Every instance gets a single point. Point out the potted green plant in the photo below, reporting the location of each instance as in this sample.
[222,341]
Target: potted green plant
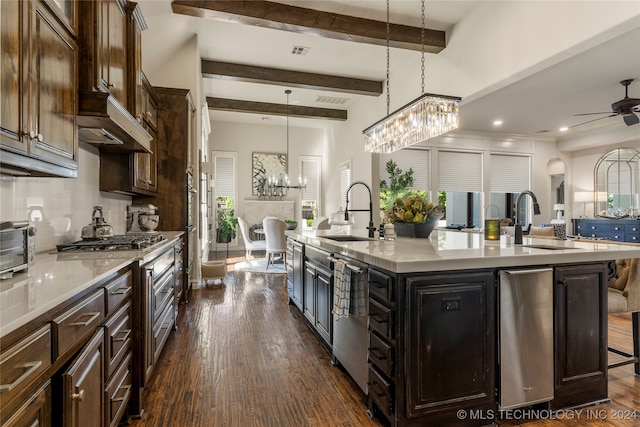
[227,223]
[291,224]
[413,215]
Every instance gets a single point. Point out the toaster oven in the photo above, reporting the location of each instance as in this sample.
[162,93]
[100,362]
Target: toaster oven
[17,247]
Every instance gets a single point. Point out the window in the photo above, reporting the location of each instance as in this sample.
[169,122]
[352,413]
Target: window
[224,185]
[345,182]
[310,167]
[406,159]
[509,176]
[460,179]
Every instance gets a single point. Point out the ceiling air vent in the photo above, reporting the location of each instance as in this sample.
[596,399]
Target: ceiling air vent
[300,50]
[331,100]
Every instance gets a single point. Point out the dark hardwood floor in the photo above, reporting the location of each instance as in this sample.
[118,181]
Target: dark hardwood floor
[243,357]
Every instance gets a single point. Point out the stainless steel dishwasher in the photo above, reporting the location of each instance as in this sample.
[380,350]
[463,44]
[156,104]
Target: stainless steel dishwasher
[350,336]
[526,337]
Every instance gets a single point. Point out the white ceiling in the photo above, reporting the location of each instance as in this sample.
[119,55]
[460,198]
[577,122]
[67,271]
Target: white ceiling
[536,105]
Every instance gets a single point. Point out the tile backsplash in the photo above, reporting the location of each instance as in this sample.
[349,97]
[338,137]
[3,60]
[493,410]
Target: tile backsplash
[60,207]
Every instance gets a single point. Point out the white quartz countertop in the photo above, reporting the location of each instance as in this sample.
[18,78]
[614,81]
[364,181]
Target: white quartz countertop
[56,277]
[454,250]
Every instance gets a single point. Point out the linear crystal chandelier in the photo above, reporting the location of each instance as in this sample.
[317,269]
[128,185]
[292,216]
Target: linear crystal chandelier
[425,117]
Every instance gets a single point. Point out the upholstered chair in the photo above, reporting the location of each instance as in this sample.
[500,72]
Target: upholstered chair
[249,245]
[623,297]
[275,238]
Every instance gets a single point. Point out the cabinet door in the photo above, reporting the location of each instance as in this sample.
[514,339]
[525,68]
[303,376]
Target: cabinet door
[146,169]
[13,43]
[112,32]
[451,343]
[324,322]
[53,87]
[309,302]
[83,386]
[36,412]
[298,275]
[580,299]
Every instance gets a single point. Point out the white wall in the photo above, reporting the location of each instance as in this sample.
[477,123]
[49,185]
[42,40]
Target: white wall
[64,205]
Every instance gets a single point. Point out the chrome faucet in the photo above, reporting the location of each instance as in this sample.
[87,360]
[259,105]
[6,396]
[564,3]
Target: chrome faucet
[371,227]
[517,231]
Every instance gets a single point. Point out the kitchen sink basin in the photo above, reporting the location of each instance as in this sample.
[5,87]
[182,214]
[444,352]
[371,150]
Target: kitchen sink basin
[547,247]
[346,238]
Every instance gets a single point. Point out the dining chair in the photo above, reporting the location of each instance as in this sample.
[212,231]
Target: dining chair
[274,236]
[249,245]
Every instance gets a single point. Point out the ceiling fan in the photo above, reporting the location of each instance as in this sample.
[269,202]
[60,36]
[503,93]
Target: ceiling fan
[626,107]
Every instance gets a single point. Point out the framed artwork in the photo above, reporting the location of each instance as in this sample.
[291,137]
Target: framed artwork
[264,166]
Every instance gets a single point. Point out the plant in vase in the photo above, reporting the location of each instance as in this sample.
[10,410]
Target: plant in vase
[227,223]
[413,215]
[291,224]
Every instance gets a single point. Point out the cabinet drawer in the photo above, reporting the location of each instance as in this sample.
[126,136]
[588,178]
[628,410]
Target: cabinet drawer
[118,290]
[77,323]
[381,286]
[380,319]
[118,393]
[23,362]
[162,291]
[162,263]
[117,332]
[161,329]
[632,233]
[380,354]
[379,390]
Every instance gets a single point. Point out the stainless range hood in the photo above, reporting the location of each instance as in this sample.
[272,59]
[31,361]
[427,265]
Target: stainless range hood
[103,122]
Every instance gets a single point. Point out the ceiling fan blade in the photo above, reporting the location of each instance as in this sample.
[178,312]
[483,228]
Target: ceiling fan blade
[631,119]
[589,121]
[590,114]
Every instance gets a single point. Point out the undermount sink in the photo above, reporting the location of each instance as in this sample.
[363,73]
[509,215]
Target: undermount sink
[547,247]
[346,238]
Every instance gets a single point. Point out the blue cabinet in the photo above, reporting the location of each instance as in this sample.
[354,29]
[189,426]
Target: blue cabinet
[623,230]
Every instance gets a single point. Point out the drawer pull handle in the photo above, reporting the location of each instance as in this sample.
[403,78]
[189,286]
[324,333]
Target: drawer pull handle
[121,291]
[126,332]
[377,353]
[93,316]
[166,325]
[378,318]
[127,389]
[33,366]
[78,396]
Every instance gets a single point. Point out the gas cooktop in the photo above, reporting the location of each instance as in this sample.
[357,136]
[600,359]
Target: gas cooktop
[124,242]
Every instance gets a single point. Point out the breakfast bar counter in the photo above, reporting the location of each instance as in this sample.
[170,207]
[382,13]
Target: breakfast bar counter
[441,309]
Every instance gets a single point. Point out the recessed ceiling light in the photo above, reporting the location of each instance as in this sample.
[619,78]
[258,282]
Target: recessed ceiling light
[497,122]
[563,129]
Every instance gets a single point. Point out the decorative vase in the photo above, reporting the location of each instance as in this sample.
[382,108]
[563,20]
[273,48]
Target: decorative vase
[421,230]
[292,225]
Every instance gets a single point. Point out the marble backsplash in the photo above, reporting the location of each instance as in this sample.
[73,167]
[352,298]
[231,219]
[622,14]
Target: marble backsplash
[60,207]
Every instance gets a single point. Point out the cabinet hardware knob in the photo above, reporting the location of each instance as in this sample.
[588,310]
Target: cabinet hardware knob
[40,137]
[110,85]
[32,134]
[149,115]
[78,396]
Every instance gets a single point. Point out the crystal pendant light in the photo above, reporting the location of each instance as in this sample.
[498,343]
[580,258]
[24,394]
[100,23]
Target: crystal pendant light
[425,117]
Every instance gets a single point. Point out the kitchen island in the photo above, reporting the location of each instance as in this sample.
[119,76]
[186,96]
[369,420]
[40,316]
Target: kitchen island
[434,321]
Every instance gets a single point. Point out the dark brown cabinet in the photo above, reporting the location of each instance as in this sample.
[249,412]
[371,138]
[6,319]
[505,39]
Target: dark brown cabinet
[104,57]
[83,386]
[175,196]
[39,91]
[35,412]
[580,323]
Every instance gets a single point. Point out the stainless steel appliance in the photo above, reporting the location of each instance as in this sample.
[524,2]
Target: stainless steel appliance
[115,243]
[350,336]
[17,247]
[142,219]
[526,337]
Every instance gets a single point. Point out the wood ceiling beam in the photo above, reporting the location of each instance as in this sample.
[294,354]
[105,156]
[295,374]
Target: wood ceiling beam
[296,19]
[297,79]
[236,105]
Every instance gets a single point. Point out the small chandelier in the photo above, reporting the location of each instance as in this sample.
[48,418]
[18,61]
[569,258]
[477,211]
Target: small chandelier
[423,118]
[277,186]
